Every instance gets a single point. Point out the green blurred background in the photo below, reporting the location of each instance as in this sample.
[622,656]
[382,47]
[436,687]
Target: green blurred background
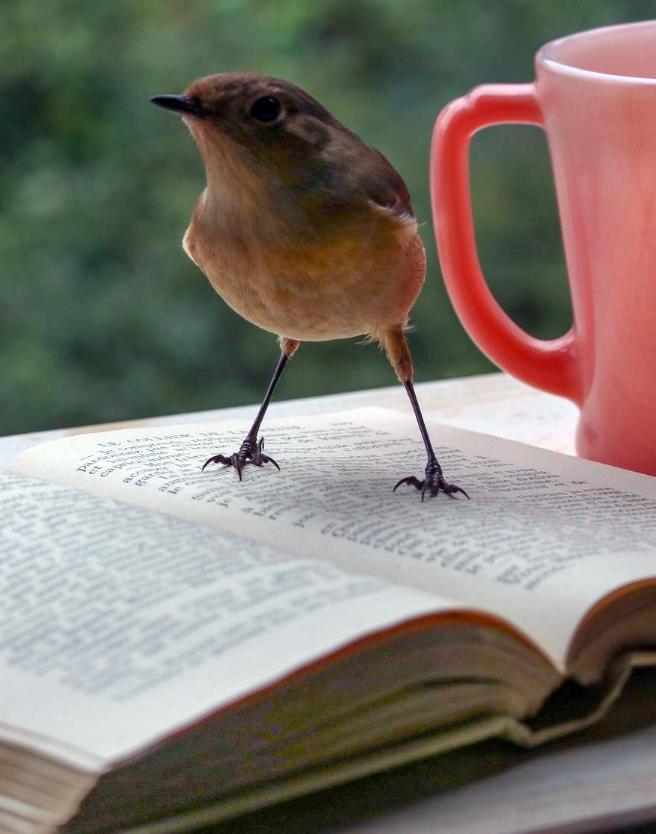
[103,317]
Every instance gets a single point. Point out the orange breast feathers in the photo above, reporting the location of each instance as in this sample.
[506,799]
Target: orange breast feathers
[359,272]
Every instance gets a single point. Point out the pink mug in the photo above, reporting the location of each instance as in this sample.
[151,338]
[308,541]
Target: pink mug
[595,96]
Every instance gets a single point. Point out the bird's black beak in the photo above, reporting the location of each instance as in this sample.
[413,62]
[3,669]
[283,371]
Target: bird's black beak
[180,104]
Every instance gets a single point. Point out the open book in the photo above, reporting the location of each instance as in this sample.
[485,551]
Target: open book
[177,647]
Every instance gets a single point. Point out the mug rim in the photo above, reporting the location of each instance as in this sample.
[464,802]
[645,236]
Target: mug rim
[544,56]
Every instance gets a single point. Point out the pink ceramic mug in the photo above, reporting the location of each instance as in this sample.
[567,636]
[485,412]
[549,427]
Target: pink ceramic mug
[595,96]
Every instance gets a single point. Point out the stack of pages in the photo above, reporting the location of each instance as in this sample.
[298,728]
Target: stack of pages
[177,646]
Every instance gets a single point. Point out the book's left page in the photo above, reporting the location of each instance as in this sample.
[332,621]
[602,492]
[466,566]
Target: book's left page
[107,609]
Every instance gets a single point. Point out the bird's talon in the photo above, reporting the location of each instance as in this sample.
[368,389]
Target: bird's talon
[410,480]
[250,451]
[267,459]
[215,459]
[433,482]
[451,489]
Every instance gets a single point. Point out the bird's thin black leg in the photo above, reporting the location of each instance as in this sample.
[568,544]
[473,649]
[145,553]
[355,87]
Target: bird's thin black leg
[280,367]
[251,450]
[433,481]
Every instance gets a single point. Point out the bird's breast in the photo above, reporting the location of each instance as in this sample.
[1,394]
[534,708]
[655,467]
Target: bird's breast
[357,278]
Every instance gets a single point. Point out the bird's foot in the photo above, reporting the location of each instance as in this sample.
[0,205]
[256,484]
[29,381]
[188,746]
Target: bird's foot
[250,451]
[433,483]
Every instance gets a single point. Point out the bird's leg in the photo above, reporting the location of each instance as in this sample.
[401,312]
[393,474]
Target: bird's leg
[433,481]
[251,450]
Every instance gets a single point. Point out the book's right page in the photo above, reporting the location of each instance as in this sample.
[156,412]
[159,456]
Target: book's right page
[542,540]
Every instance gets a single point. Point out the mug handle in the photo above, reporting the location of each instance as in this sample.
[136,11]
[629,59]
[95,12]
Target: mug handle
[552,364]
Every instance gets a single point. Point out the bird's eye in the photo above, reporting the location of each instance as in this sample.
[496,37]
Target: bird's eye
[265,109]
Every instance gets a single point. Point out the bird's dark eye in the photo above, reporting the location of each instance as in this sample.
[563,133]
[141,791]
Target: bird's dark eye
[265,109]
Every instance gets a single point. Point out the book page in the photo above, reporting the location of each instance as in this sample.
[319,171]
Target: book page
[543,537]
[107,609]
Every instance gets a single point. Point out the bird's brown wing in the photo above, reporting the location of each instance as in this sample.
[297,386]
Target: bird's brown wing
[385,186]
[355,171]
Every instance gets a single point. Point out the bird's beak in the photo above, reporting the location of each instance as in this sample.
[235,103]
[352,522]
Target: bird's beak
[180,104]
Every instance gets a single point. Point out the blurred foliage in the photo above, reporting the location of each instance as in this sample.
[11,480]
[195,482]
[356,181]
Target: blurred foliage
[102,316]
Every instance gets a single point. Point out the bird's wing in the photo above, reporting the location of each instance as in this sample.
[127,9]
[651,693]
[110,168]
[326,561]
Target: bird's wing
[355,170]
[385,187]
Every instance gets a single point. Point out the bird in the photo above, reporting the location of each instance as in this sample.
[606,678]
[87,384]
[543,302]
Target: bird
[304,230]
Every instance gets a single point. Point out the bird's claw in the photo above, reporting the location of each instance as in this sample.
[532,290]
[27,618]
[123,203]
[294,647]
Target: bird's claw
[433,483]
[250,451]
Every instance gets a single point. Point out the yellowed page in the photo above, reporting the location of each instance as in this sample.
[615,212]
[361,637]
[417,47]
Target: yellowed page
[108,609]
[543,537]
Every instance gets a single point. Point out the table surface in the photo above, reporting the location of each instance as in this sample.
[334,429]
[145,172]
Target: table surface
[602,779]
[490,403]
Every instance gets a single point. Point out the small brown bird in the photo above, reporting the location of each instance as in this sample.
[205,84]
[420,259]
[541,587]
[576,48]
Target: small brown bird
[302,229]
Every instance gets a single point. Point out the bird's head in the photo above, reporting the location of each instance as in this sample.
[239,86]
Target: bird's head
[271,149]
[253,126]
